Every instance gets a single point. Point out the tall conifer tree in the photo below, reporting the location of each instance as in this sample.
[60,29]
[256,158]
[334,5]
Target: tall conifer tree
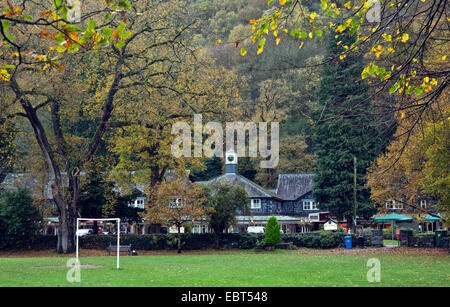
[344,128]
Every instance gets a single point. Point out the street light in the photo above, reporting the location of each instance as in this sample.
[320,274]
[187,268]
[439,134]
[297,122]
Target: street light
[354,193]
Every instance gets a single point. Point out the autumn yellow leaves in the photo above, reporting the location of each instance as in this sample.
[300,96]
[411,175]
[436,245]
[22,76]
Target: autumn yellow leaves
[55,25]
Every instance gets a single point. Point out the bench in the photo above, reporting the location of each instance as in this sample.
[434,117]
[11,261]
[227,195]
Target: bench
[122,248]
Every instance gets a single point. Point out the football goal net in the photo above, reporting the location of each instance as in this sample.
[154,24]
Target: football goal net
[79,233]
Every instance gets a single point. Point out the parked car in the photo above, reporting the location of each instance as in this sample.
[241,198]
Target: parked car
[256,229]
[83,232]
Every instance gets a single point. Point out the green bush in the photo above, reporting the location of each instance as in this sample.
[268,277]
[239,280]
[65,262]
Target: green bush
[273,234]
[198,241]
[43,242]
[367,231]
[190,241]
[260,243]
[315,242]
[323,239]
[307,240]
[424,234]
[327,239]
[248,241]
[188,228]
[341,230]
[19,220]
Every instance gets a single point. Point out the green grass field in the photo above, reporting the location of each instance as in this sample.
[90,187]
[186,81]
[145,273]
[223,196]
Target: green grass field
[402,267]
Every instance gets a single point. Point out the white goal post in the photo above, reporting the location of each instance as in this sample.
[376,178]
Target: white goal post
[93,219]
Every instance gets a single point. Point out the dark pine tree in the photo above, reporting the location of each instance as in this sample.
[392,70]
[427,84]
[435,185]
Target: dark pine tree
[213,169]
[95,200]
[92,196]
[247,168]
[345,128]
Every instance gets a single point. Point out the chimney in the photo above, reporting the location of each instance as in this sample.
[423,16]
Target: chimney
[231,163]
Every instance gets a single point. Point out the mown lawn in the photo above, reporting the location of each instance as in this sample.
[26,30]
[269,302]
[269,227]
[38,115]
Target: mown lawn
[399,267]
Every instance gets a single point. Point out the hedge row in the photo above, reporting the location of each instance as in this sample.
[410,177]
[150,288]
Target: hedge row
[39,242]
[169,241]
[324,239]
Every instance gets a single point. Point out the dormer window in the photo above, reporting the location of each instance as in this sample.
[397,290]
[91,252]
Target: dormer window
[255,203]
[137,203]
[309,205]
[176,204]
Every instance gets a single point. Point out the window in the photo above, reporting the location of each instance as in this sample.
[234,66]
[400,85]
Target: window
[199,229]
[140,203]
[306,205]
[309,205]
[423,204]
[137,203]
[176,203]
[255,203]
[393,205]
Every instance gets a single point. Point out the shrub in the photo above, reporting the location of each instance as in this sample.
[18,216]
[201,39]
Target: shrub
[324,239]
[19,220]
[198,241]
[328,239]
[341,230]
[260,243]
[424,234]
[315,243]
[188,228]
[43,242]
[248,241]
[307,240]
[273,235]
[367,231]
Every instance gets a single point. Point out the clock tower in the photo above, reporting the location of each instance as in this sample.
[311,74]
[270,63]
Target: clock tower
[231,162]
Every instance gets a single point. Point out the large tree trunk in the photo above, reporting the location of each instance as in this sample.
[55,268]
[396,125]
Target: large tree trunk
[66,234]
[67,217]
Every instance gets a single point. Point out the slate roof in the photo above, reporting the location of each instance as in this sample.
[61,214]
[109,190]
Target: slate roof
[254,190]
[290,186]
[15,181]
[294,186]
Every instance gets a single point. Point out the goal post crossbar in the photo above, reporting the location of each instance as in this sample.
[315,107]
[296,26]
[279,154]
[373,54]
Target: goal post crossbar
[95,219]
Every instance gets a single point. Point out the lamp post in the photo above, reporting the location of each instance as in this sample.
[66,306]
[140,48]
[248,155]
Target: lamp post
[354,194]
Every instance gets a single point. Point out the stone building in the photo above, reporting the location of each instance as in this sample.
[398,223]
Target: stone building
[291,202]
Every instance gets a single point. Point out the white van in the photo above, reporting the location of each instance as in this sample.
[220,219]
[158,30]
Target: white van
[83,232]
[255,229]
